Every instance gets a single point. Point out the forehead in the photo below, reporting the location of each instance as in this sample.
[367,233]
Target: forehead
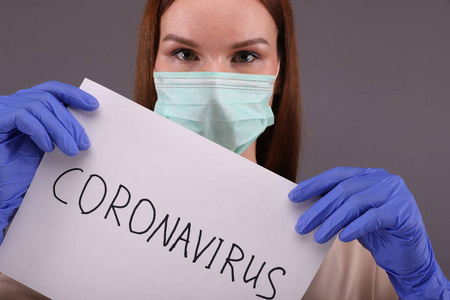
[210,19]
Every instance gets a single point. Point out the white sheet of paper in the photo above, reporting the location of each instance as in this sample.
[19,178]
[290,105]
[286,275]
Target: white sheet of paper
[240,209]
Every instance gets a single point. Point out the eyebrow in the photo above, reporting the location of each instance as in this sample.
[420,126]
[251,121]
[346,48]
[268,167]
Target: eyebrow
[190,43]
[179,39]
[249,43]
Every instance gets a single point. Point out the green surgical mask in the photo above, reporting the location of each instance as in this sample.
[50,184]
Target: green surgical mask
[230,109]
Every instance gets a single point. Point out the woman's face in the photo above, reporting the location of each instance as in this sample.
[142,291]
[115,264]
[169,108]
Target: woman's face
[236,36]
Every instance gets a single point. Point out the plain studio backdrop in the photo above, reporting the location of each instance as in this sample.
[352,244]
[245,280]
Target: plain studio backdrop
[375,79]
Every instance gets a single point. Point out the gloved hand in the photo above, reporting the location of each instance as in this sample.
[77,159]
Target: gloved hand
[376,208]
[31,122]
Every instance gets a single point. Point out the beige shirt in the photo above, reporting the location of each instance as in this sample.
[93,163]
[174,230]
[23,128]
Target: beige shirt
[348,272]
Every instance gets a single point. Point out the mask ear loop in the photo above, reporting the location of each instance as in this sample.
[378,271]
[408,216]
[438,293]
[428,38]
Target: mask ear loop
[277,86]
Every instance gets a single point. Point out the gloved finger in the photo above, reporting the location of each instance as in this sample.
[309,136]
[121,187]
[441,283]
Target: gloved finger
[29,125]
[62,114]
[329,203]
[69,94]
[49,127]
[55,129]
[355,206]
[14,147]
[370,221]
[322,183]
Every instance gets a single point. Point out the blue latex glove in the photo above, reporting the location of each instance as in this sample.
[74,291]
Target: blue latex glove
[31,122]
[376,208]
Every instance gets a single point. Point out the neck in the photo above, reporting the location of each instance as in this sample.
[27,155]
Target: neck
[250,153]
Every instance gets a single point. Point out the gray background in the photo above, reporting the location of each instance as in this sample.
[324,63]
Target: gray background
[375,80]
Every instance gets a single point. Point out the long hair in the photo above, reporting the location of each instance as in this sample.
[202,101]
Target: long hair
[278,147]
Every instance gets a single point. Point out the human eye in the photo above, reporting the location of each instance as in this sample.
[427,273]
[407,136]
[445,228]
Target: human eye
[244,57]
[184,54]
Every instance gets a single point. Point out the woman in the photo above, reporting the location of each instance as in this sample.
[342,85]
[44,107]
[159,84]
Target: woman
[242,41]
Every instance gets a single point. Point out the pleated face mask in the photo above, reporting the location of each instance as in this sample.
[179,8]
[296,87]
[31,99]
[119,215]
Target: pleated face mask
[230,109]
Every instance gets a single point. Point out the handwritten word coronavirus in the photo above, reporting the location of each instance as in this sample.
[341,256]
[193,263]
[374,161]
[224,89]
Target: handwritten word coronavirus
[143,218]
